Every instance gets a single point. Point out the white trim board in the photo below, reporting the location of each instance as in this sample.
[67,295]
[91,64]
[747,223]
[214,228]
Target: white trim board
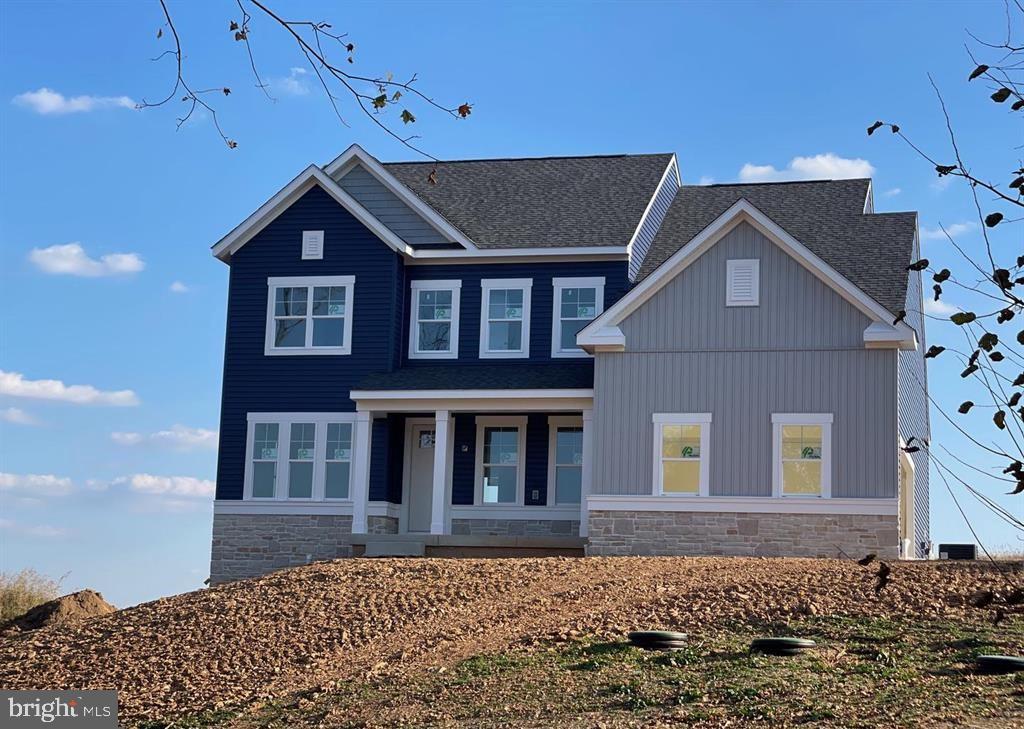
[744,505]
[340,508]
[457,395]
[357,155]
[604,331]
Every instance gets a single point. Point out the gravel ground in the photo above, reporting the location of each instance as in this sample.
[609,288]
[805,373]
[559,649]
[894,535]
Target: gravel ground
[324,624]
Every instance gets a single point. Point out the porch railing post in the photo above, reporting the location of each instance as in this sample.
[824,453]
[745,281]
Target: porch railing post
[441,424]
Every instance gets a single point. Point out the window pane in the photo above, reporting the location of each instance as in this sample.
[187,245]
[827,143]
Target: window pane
[337,481]
[680,441]
[290,301]
[505,336]
[681,477]
[435,305]
[435,337]
[578,303]
[263,477]
[289,332]
[568,484]
[801,477]
[501,445]
[801,441]
[300,480]
[328,332]
[328,300]
[339,441]
[499,485]
[265,442]
[505,304]
[569,331]
[302,440]
[569,446]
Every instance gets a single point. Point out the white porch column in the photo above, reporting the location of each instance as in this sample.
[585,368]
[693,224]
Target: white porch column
[441,423]
[361,470]
[588,468]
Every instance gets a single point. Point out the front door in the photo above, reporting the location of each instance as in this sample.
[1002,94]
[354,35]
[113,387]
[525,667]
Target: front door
[421,477]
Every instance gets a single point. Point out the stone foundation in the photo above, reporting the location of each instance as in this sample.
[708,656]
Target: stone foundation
[381,525]
[617,533]
[516,527]
[249,545]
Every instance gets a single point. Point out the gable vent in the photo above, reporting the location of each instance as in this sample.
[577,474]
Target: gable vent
[742,282]
[312,244]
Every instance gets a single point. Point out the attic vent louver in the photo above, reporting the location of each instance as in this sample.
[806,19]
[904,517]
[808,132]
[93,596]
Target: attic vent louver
[742,282]
[312,244]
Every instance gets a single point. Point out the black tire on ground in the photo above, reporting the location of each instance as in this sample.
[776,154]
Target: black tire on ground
[1000,664]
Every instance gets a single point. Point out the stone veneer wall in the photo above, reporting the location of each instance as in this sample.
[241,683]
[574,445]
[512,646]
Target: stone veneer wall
[249,545]
[381,525]
[742,534]
[516,527]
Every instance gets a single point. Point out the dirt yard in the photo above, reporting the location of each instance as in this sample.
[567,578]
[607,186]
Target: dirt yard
[333,636]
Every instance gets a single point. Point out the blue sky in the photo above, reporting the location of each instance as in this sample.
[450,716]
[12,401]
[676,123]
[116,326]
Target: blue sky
[111,485]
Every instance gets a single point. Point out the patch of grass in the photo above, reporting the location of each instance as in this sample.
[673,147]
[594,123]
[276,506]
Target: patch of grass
[195,721]
[22,591]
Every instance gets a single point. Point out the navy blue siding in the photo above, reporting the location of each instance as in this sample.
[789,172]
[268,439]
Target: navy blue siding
[537,459]
[662,200]
[380,459]
[254,382]
[464,460]
[542,300]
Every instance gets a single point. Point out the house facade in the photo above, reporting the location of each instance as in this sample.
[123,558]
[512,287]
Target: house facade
[569,354]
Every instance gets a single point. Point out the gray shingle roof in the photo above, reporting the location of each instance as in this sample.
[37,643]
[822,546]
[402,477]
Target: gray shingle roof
[540,202]
[575,375]
[827,216]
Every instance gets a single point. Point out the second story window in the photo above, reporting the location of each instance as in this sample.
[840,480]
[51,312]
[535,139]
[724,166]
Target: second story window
[505,317]
[309,315]
[434,325]
[577,302]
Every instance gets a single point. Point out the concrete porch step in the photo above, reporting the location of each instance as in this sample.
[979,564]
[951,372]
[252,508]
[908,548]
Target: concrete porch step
[403,548]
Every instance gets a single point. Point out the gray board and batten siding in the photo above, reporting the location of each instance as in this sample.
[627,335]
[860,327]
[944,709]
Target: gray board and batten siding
[801,350]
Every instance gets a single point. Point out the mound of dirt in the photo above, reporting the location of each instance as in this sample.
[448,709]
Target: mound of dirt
[67,609]
[321,625]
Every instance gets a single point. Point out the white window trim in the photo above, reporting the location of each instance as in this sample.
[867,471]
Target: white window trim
[284,422]
[453,285]
[596,283]
[273,283]
[486,285]
[702,419]
[554,423]
[730,266]
[822,419]
[478,472]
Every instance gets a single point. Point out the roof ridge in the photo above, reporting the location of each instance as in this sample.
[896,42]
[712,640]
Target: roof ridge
[530,159]
[782,182]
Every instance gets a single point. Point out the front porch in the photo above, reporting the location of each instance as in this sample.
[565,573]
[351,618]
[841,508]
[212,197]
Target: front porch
[482,466]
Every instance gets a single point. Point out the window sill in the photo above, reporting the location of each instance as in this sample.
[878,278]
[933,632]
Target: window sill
[271,352]
[433,355]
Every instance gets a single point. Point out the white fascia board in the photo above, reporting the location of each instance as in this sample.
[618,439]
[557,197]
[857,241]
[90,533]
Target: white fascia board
[741,211]
[672,164]
[467,394]
[745,504]
[606,339]
[880,335]
[291,192]
[523,252]
[355,153]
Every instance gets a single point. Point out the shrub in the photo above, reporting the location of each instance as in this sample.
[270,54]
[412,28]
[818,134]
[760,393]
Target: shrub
[22,591]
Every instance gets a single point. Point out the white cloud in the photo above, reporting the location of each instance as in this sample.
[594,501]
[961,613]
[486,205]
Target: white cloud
[706,180]
[955,230]
[939,308]
[939,184]
[39,530]
[294,84]
[892,192]
[17,416]
[178,437]
[179,288]
[15,385]
[71,259]
[48,101]
[39,484]
[819,167]
[168,485]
